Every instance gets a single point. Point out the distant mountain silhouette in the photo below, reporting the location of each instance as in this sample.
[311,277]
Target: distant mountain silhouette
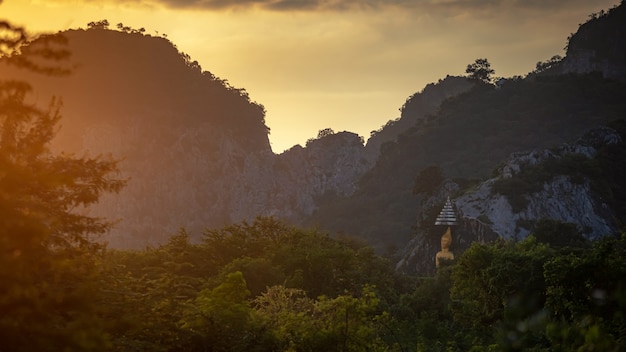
[194,148]
[474,132]
[180,132]
[197,154]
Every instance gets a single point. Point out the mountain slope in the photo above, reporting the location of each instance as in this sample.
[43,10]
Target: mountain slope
[579,184]
[467,139]
[197,154]
[182,134]
[472,133]
[195,150]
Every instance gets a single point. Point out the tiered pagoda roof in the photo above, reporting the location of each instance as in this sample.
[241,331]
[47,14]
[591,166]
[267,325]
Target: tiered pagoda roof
[447,216]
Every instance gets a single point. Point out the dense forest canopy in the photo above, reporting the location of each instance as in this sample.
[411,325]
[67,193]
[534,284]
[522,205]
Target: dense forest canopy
[265,285]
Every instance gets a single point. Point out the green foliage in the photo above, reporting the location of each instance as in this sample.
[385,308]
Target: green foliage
[171,292]
[260,273]
[558,234]
[48,260]
[310,292]
[428,180]
[344,323]
[220,318]
[586,293]
[468,137]
[500,287]
[224,245]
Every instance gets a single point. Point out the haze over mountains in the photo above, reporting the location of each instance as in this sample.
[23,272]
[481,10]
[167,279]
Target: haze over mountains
[197,153]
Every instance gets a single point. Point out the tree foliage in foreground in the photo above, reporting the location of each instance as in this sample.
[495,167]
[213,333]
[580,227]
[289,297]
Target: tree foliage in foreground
[265,286]
[48,258]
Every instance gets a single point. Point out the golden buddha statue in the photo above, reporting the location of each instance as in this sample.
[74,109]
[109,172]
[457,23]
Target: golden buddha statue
[445,254]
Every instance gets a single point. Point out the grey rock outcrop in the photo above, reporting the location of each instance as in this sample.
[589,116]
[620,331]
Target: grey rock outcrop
[286,185]
[194,149]
[486,215]
[559,199]
[599,45]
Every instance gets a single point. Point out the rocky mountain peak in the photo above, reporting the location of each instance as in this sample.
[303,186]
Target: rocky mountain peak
[599,45]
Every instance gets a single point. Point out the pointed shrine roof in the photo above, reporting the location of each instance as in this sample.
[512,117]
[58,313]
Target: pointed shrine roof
[447,215]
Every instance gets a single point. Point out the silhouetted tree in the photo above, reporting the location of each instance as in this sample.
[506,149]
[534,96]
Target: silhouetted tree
[325,132]
[544,66]
[480,70]
[103,24]
[43,57]
[47,255]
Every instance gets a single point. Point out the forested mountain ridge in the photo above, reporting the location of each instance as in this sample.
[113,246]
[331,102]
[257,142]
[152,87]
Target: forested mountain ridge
[417,108]
[468,139]
[197,155]
[195,150]
[578,187]
[474,132]
[180,133]
[265,285]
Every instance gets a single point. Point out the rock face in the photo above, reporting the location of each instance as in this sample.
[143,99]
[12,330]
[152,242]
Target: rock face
[486,215]
[599,45]
[230,185]
[194,149]
[286,185]
[559,199]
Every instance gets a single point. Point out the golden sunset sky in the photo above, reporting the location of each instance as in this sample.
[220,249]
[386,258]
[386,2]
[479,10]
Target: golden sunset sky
[344,64]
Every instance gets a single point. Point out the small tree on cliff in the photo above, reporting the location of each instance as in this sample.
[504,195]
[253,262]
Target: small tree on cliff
[480,70]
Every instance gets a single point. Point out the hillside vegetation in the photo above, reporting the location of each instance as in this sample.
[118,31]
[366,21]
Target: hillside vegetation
[469,136]
[181,133]
[264,285]
[473,132]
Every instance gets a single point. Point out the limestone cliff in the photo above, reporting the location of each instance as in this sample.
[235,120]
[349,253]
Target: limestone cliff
[599,45]
[197,154]
[182,135]
[560,198]
[286,185]
[195,150]
[486,215]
